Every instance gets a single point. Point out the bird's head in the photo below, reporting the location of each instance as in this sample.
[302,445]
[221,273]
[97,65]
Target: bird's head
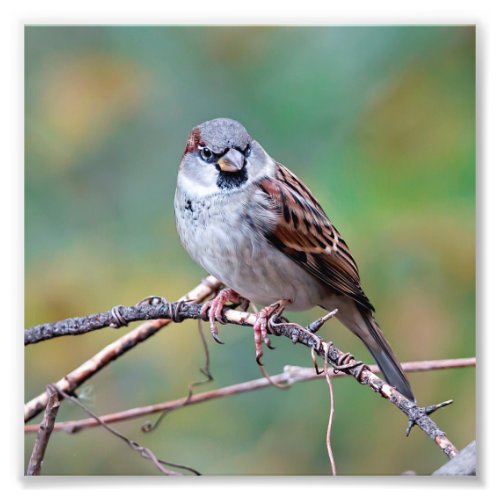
[221,155]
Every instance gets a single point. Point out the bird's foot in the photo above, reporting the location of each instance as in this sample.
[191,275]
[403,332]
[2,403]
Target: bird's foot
[260,327]
[212,310]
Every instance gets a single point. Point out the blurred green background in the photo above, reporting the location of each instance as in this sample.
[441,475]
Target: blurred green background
[378,121]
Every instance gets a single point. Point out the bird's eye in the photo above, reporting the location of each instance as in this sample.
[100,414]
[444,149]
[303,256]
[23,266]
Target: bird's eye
[206,154]
[247,151]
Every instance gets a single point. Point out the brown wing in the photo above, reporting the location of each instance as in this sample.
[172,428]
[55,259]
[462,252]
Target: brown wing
[307,236]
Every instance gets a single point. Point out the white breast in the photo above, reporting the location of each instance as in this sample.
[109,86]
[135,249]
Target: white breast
[224,233]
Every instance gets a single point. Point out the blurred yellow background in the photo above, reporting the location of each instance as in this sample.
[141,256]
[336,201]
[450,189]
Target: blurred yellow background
[380,124]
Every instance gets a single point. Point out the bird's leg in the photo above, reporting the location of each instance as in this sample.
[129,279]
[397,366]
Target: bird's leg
[212,310]
[260,326]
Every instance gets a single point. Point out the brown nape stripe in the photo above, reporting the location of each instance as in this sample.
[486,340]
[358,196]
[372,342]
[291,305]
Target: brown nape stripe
[193,141]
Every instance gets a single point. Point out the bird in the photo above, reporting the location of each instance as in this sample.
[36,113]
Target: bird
[253,224]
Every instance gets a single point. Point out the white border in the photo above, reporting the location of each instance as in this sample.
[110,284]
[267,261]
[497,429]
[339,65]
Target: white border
[16,14]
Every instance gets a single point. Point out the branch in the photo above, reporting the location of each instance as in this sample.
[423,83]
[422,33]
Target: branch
[116,349]
[180,311]
[44,431]
[289,376]
[119,315]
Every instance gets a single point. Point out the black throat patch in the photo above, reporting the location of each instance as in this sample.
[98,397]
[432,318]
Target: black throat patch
[232,180]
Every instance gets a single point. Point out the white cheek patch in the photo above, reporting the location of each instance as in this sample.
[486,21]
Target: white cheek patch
[200,183]
[194,187]
[257,170]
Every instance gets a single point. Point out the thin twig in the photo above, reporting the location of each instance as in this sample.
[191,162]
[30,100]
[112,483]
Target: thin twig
[143,451]
[290,375]
[150,426]
[79,375]
[44,431]
[330,416]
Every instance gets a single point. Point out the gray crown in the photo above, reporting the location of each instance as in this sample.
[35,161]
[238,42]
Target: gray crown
[222,133]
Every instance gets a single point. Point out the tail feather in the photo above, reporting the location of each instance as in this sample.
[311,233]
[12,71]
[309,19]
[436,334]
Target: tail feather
[386,359]
[361,322]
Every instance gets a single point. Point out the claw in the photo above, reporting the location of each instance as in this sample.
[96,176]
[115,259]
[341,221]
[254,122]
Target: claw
[215,335]
[267,341]
[257,336]
[260,328]
[218,314]
[207,312]
[212,310]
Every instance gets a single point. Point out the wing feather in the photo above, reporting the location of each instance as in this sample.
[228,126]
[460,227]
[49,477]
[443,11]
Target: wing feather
[306,235]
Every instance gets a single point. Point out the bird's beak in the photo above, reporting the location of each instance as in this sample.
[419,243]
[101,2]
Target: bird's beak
[232,161]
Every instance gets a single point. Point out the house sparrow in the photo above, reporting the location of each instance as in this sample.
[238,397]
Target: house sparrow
[253,224]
